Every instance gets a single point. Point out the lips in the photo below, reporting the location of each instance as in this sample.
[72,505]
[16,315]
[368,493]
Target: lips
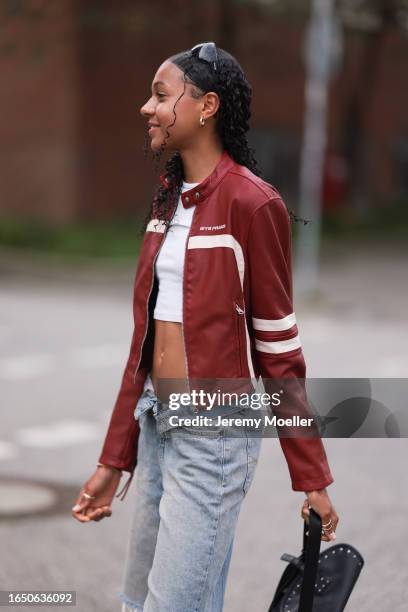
[153,125]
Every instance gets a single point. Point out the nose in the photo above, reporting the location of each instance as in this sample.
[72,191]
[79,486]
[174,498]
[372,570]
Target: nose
[146,110]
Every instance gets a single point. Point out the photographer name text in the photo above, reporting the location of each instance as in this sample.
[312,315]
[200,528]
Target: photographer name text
[257,422]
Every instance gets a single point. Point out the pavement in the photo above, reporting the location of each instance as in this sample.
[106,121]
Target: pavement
[64,338]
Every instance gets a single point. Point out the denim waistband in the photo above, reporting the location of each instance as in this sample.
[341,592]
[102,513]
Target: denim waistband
[148,400]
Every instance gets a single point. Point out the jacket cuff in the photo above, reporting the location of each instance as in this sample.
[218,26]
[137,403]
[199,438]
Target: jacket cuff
[115,462]
[312,484]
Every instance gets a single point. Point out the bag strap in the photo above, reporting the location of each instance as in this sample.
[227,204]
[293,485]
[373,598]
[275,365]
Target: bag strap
[311,549]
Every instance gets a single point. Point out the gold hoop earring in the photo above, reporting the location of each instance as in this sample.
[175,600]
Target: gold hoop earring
[202,121]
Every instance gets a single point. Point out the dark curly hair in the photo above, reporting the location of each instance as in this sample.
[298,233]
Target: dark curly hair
[232,123]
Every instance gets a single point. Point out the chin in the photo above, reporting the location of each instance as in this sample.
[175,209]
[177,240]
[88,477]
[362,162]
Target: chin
[156,143]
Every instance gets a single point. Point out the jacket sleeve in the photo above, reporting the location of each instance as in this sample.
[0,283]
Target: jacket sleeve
[121,440]
[278,350]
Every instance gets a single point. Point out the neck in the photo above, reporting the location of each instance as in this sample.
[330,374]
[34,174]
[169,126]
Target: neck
[198,164]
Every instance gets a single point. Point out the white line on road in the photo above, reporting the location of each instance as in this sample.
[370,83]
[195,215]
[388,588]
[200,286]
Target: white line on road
[40,364]
[55,435]
[30,366]
[100,356]
[8,450]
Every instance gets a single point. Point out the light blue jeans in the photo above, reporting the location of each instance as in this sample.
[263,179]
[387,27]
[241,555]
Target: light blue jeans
[188,488]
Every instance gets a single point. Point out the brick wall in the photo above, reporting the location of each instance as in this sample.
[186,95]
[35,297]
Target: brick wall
[74,75]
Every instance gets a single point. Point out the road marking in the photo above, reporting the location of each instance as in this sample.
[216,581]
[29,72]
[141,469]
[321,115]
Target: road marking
[56,435]
[23,497]
[100,356]
[40,364]
[8,450]
[30,366]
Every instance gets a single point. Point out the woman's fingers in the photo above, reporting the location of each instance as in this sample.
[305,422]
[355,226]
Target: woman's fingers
[80,516]
[304,513]
[95,498]
[327,527]
[97,514]
[333,520]
[80,507]
[92,514]
[330,526]
[328,517]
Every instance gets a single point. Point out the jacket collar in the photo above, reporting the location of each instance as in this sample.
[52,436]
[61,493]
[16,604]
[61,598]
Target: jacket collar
[203,190]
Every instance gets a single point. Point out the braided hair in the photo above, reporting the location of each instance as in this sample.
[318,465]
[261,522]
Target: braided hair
[232,123]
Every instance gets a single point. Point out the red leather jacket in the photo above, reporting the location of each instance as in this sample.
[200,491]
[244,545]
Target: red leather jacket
[238,318]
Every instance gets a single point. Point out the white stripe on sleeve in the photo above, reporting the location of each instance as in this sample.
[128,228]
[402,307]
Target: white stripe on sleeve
[274,324]
[278,346]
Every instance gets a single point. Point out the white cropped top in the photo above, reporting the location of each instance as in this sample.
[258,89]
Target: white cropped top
[170,263]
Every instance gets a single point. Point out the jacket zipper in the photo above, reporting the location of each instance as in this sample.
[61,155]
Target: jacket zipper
[238,309]
[148,298]
[184,293]
[240,312]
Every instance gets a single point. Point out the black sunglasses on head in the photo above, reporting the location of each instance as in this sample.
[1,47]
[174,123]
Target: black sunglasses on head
[208,53]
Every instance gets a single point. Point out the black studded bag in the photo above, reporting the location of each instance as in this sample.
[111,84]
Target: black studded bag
[317,582]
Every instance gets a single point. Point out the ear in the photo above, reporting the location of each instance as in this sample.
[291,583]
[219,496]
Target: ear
[211,104]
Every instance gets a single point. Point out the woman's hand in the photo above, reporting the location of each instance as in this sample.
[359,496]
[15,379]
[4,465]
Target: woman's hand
[103,485]
[320,502]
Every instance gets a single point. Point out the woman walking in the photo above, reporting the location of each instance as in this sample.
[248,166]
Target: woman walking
[212,302]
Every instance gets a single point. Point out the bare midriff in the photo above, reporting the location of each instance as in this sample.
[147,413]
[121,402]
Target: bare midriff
[169,374]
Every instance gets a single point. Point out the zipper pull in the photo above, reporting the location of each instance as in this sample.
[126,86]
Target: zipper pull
[238,309]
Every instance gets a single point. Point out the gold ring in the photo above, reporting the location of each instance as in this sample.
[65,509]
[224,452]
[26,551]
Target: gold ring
[89,496]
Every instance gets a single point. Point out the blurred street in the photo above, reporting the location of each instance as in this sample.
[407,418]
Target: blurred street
[64,339]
